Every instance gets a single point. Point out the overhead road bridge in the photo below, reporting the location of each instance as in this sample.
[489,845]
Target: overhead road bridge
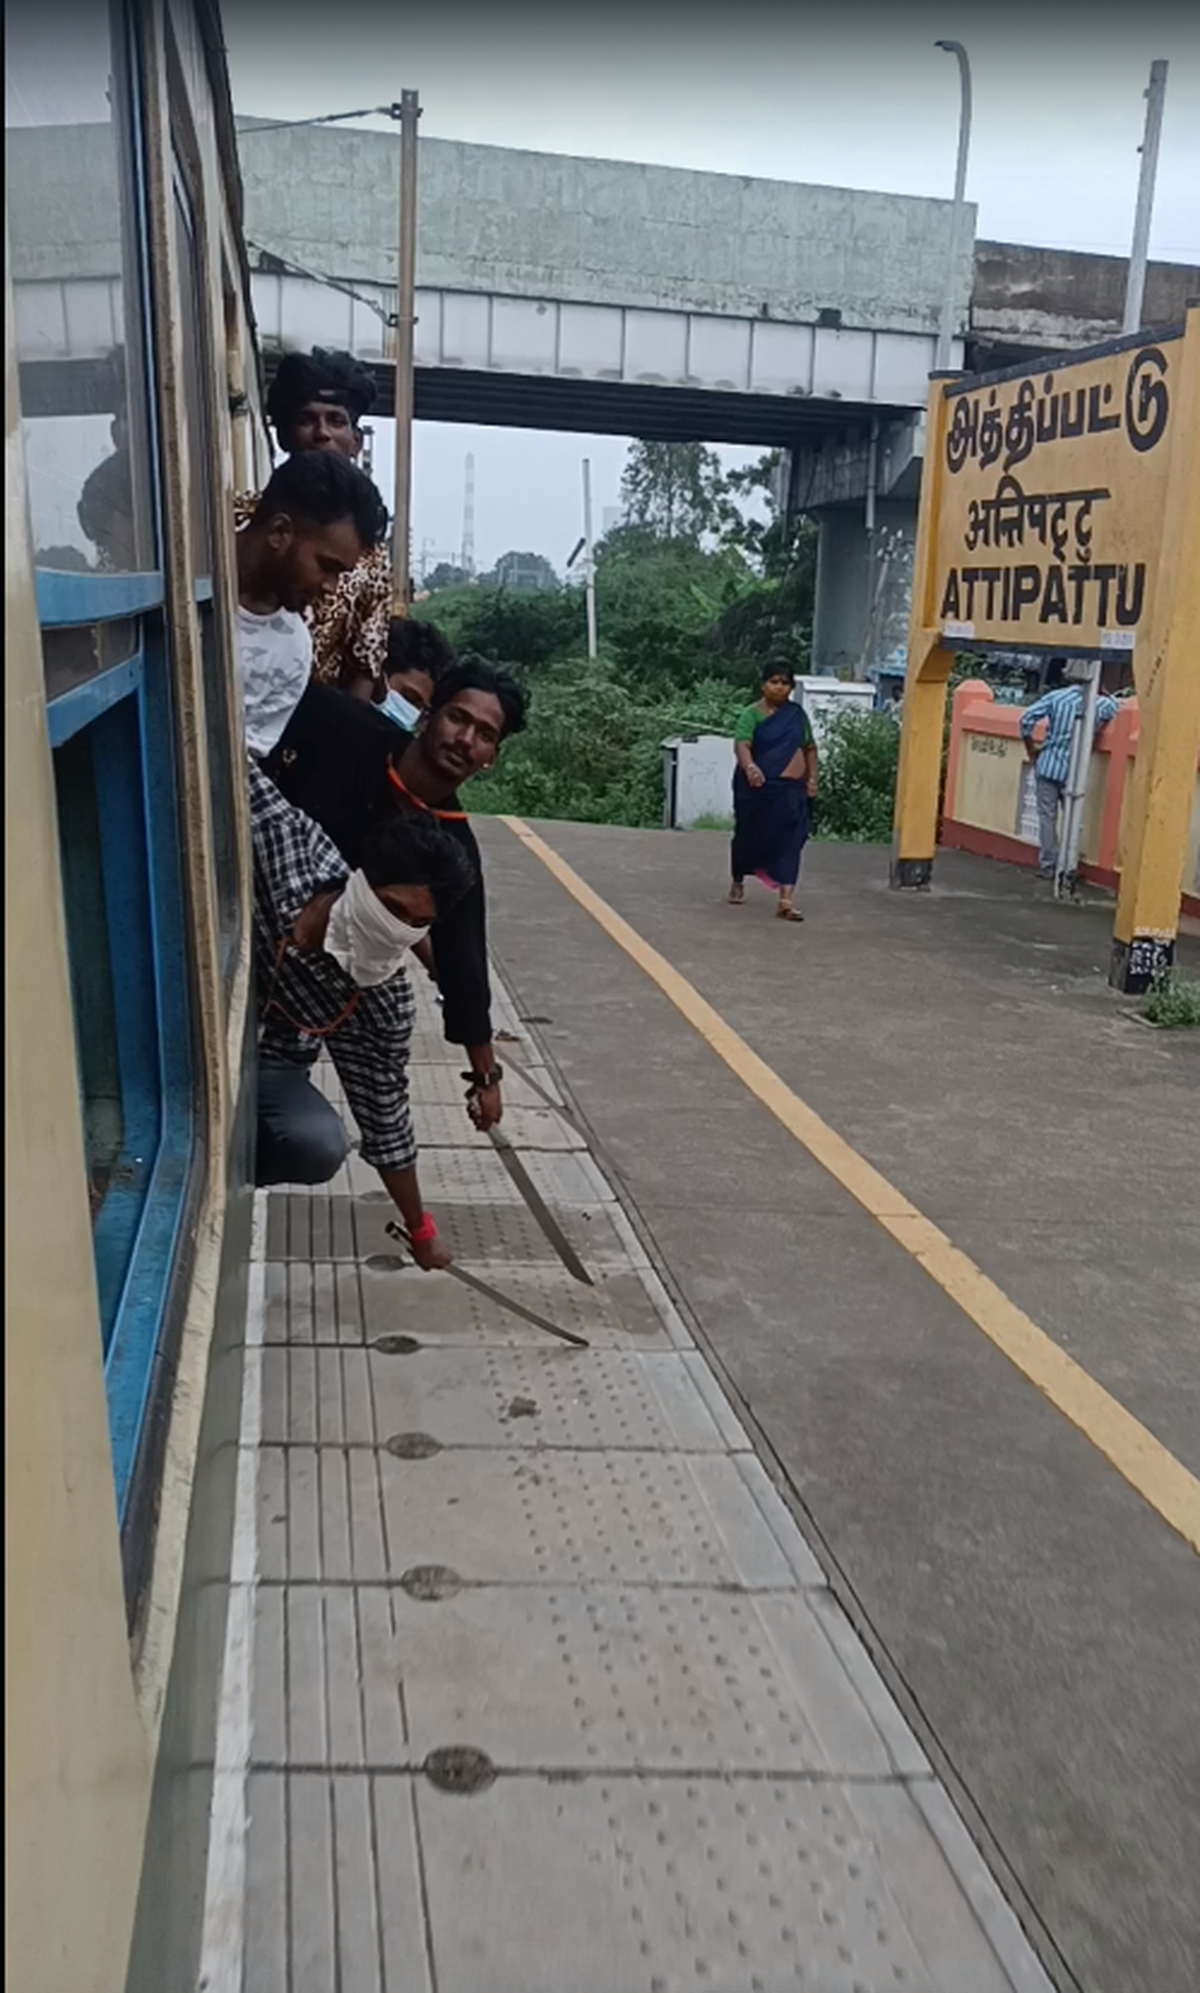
[606,297]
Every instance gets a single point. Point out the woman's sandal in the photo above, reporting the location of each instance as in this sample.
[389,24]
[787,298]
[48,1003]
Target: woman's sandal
[736,896]
[787,912]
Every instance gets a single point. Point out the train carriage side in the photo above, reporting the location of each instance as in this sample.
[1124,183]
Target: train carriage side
[132,411]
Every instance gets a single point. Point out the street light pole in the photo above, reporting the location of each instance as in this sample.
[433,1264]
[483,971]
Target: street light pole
[946,326]
[589,567]
[406,274]
[1135,283]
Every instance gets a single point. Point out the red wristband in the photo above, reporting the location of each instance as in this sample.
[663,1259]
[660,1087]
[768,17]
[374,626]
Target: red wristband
[424,1233]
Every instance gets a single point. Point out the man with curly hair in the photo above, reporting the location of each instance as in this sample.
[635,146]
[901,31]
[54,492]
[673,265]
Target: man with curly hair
[317,401]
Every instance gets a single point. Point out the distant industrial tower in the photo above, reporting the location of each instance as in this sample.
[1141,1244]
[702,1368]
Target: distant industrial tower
[468,539]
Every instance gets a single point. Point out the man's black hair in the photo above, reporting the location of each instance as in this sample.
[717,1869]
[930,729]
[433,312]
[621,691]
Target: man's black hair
[321,486]
[335,378]
[416,646]
[476,674]
[404,849]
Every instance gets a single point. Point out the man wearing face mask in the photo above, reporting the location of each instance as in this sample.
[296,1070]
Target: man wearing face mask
[417,656]
[330,953]
[348,767]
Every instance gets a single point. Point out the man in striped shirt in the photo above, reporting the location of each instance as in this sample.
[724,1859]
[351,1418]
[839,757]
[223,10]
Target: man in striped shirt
[357,1003]
[1060,708]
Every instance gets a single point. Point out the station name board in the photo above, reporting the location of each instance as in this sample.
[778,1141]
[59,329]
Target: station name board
[1052,492]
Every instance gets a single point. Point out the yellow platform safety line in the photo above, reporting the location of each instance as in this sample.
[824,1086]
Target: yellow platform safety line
[1144,1461]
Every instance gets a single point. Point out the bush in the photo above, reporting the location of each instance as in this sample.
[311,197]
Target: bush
[535,625]
[592,752]
[1173,1003]
[858,778]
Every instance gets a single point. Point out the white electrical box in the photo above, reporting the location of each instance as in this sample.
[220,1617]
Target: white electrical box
[697,779]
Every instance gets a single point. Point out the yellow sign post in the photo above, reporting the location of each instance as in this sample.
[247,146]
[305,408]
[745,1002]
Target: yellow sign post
[1060,512]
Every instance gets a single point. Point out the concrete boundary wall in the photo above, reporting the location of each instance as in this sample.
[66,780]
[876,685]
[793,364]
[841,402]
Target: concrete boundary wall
[988,809]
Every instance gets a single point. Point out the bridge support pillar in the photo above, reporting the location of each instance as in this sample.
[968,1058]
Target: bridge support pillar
[864,582]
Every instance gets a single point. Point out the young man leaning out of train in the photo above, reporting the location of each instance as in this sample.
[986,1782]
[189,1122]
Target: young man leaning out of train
[344,763]
[312,524]
[331,949]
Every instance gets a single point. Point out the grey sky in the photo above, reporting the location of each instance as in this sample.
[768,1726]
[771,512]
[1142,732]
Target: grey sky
[846,94]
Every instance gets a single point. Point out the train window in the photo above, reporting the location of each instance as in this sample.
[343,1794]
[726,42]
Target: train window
[77,304]
[117,792]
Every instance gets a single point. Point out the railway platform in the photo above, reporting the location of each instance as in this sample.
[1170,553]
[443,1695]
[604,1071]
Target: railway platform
[831,1619]
[533,1680]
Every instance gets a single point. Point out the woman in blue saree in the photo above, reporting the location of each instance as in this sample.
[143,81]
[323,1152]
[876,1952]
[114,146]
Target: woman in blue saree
[773,786]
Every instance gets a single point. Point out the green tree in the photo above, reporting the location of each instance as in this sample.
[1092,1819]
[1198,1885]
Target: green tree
[445,575]
[514,570]
[676,491]
[592,752]
[524,627]
[783,541]
[657,599]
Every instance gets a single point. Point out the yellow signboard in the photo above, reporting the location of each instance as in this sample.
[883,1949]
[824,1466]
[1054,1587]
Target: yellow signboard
[1051,494]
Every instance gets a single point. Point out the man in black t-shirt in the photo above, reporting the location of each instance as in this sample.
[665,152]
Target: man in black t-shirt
[343,761]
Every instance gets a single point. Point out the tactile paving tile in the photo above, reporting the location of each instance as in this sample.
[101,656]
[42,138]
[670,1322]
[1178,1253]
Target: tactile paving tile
[556,1518]
[314,1301]
[539,1398]
[741,1885]
[321,1514]
[573,1182]
[331,1395]
[333,1886]
[309,1224]
[616,1310]
[465,1175]
[327,1688]
[477,1233]
[359,1179]
[445,1128]
[633,1679]
[442,1086]
[526,1128]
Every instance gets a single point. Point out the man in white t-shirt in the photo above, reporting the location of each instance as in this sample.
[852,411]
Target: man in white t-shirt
[317,517]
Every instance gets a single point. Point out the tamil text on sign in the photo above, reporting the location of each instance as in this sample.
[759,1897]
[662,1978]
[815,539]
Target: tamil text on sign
[1051,504]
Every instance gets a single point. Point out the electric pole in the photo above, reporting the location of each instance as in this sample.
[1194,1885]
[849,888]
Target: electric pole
[1135,283]
[946,326]
[468,532]
[408,111]
[589,570]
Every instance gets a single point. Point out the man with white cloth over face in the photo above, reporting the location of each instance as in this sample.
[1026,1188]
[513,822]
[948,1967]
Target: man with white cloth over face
[331,949]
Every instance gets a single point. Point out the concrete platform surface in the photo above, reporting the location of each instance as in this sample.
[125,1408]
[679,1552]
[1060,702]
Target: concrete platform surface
[1036,1619]
[533,1682]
